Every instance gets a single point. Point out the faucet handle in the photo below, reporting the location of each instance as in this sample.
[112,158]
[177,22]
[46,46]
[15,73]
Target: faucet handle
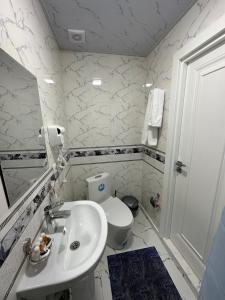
[50,207]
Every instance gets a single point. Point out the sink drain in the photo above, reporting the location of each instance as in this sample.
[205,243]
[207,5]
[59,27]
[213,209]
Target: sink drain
[74,245]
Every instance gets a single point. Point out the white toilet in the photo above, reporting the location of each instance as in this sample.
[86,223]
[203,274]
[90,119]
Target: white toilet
[119,216]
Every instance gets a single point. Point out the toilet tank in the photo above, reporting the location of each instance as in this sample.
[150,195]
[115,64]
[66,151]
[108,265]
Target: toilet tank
[99,187]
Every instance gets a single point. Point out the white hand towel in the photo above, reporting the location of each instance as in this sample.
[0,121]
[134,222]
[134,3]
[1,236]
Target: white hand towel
[144,137]
[156,110]
[152,136]
[153,117]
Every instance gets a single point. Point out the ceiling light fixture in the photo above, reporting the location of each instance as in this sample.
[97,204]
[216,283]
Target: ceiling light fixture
[49,81]
[97,82]
[147,85]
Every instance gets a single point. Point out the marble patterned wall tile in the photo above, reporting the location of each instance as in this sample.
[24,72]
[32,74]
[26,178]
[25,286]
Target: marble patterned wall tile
[75,153]
[65,192]
[110,114]
[152,184]
[126,178]
[27,37]
[160,60]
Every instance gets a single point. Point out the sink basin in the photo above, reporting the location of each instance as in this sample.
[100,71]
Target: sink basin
[86,228]
[74,253]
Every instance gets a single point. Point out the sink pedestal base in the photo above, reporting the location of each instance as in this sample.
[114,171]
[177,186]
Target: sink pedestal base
[84,288]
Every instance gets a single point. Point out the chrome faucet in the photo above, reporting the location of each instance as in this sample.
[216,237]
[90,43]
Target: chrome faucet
[51,214]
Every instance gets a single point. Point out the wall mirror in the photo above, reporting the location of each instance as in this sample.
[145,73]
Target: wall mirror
[23,158]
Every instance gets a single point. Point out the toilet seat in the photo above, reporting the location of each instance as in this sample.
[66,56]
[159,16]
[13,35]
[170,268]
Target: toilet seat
[117,213]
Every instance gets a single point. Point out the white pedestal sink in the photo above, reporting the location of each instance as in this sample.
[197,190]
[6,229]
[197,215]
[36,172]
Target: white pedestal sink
[66,268]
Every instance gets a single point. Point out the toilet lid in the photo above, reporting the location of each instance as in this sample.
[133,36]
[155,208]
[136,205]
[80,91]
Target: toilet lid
[117,213]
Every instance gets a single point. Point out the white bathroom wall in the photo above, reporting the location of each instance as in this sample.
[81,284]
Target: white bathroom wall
[152,184]
[108,115]
[125,177]
[160,60]
[27,37]
[142,178]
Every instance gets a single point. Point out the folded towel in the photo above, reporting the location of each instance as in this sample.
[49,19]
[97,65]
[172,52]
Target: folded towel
[144,137]
[156,110]
[153,117]
[152,136]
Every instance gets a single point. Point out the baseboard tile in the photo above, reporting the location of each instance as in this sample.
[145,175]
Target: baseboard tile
[192,279]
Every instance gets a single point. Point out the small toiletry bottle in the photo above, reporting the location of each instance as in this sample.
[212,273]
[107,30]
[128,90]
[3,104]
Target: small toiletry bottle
[42,245]
[45,238]
[35,255]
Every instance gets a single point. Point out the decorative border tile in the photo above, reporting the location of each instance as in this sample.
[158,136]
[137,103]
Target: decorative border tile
[73,153]
[23,155]
[159,156]
[154,154]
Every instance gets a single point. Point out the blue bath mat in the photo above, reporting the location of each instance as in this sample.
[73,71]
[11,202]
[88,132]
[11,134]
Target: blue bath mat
[140,275]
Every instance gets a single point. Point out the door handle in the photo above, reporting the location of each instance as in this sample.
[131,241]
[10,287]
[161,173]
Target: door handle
[179,166]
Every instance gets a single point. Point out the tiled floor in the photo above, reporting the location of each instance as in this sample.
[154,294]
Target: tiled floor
[143,235]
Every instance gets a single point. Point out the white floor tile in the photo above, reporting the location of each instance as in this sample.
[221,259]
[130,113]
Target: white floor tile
[179,281]
[98,286]
[143,235]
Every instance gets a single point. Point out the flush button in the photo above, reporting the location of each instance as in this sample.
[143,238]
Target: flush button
[98,176]
[101,187]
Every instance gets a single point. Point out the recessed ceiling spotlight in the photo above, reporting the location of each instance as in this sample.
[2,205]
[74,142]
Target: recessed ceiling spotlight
[76,36]
[49,81]
[97,82]
[147,85]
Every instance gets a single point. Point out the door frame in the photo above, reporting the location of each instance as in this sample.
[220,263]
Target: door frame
[205,41]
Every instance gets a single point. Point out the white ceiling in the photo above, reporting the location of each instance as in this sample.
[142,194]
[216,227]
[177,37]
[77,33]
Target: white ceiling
[129,27]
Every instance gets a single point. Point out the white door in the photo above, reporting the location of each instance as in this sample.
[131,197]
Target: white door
[200,187]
